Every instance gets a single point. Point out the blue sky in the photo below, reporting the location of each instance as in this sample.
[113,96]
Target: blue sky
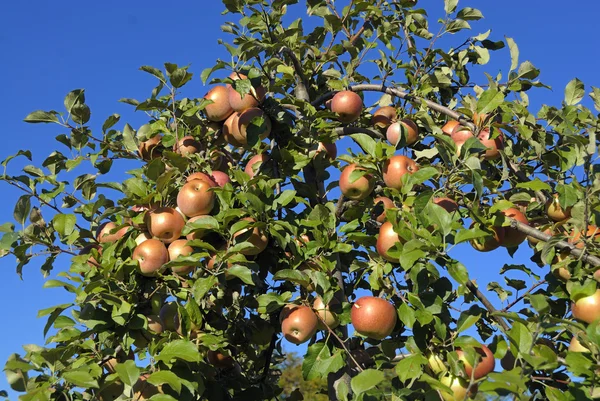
[50,48]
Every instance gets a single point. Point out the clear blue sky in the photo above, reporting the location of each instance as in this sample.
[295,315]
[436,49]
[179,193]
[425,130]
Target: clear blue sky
[50,48]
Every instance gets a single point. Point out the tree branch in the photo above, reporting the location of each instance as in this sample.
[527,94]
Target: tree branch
[519,299]
[301,89]
[488,305]
[344,131]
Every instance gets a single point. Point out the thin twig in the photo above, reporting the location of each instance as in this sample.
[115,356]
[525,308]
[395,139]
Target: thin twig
[488,305]
[516,301]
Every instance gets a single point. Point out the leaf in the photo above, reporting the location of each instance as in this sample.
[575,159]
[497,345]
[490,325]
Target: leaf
[458,272]
[64,224]
[366,143]
[595,95]
[469,14]
[40,116]
[469,234]
[165,376]
[154,71]
[110,122]
[269,303]
[410,367]
[366,380]
[457,25]
[80,378]
[22,208]
[520,337]
[128,372]
[74,98]
[295,276]
[180,77]
[535,185]
[129,138]
[179,349]
[514,53]
[450,6]
[574,92]
[318,362]
[466,320]
[489,101]
[241,272]
[285,197]
[202,286]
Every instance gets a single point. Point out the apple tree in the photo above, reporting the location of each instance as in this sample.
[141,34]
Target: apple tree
[328,178]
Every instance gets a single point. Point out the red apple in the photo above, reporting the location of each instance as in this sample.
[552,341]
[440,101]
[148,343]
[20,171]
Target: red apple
[348,106]
[395,167]
[358,189]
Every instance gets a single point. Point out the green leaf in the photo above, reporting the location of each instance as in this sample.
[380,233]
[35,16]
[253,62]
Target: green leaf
[295,276]
[450,6]
[202,286]
[410,367]
[154,71]
[22,208]
[128,372]
[285,197]
[466,320]
[457,25]
[535,185]
[574,92]
[241,272]
[366,380]
[80,378]
[469,234]
[367,144]
[269,303]
[514,53]
[74,98]
[469,14]
[64,224]
[318,362]
[180,77]
[489,101]
[165,376]
[520,337]
[458,272]
[129,138]
[179,349]
[595,95]
[40,116]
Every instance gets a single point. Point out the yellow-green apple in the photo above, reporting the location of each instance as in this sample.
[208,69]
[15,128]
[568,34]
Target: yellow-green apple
[587,309]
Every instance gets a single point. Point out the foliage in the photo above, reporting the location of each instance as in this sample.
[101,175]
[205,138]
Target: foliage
[319,243]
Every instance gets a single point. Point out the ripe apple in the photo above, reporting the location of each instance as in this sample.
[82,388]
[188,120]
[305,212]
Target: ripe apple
[120,357]
[358,189]
[180,248]
[152,254]
[513,237]
[231,130]
[458,386]
[220,178]
[187,146]
[449,127]
[373,317]
[587,309]
[395,167]
[154,324]
[169,316]
[387,204]
[576,346]
[143,390]
[436,364]
[494,146]
[327,317]
[386,240]
[490,242]
[597,275]
[460,135]
[348,106]
[448,204]
[483,366]
[151,148]
[220,109]
[384,117]
[394,132]
[254,164]
[298,323]
[256,237]
[87,250]
[195,198]
[593,233]
[555,211]
[103,233]
[329,148]
[252,99]
[198,234]
[220,360]
[245,119]
[142,237]
[165,223]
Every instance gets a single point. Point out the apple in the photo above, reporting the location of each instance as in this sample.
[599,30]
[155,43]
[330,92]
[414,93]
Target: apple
[220,109]
[448,204]
[151,254]
[394,132]
[387,204]
[458,386]
[198,234]
[386,240]
[513,237]
[195,198]
[120,357]
[395,168]
[597,275]
[348,106]
[373,317]
[576,346]
[245,119]
[298,323]
[87,250]
[561,273]
[256,237]
[384,117]
[358,189]
[555,211]
[254,164]
[180,248]
[142,237]
[460,135]
[231,130]
[169,316]
[593,233]
[483,366]
[105,232]
[249,100]
[587,308]
[187,146]
[436,364]
[220,178]
[151,148]
[494,146]
[220,360]
[327,318]
[490,242]
[154,324]
[449,127]
[165,223]
[329,148]
[143,390]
